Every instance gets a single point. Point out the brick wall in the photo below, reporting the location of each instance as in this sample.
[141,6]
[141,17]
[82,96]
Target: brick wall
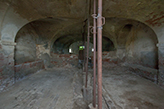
[27,68]
[7,71]
[109,57]
[145,72]
[60,60]
[139,69]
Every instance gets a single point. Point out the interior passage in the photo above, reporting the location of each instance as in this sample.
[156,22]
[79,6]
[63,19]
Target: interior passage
[47,47]
[60,88]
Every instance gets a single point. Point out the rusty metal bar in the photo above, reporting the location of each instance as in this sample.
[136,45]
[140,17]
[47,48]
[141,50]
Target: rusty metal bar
[94,53]
[84,43]
[88,40]
[99,55]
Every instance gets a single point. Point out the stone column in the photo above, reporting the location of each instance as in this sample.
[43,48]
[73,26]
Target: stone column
[6,64]
[121,53]
[161,64]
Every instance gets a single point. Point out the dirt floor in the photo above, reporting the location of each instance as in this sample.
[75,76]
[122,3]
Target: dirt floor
[61,88]
[126,90]
[48,89]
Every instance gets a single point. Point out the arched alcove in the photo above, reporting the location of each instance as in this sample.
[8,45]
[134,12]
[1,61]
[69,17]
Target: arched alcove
[32,50]
[141,45]
[107,44]
[74,47]
[136,42]
[25,49]
[62,44]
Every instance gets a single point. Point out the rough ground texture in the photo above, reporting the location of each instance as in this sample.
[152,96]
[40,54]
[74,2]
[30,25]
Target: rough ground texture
[60,88]
[129,91]
[48,89]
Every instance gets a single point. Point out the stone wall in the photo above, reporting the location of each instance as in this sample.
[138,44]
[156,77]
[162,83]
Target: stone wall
[60,60]
[145,72]
[109,57]
[161,64]
[140,47]
[8,74]
[160,33]
[25,49]
[19,53]
[27,68]
[143,48]
[6,65]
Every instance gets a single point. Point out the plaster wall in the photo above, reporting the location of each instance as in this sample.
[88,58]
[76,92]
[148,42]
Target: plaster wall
[142,49]
[25,50]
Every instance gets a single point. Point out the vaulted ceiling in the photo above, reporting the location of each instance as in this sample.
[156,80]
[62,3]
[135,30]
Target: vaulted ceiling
[53,19]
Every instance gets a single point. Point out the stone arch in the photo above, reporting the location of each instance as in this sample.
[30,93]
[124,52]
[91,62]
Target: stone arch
[138,41]
[74,27]
[107,44]
[75,47]
[37,32]
[125,30]
[61,45]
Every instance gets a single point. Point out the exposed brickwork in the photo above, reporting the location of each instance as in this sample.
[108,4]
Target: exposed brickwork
[64,59]
[6,76]
[139,69]
[28,68]
[146,73]
[109,57]
[7,69]
[156,20]
[110,61]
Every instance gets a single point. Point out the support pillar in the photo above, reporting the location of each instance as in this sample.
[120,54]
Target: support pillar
[6,64]
[161,64]
[94,54]
[99,54]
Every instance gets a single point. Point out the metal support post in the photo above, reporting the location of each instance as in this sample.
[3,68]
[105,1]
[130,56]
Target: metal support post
[99,55]
[88,40]
[94,54]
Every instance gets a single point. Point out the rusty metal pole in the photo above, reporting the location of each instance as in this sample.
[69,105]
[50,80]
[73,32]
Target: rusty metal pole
[84,43]
[94,54]
[88,40]
[99,55]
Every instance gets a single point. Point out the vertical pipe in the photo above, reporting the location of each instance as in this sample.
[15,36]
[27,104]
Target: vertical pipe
[94,54]
[99,27]
[84,43]
[88,40]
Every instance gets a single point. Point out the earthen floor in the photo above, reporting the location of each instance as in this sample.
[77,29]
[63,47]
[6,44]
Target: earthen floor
[54,89]
[126,90]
